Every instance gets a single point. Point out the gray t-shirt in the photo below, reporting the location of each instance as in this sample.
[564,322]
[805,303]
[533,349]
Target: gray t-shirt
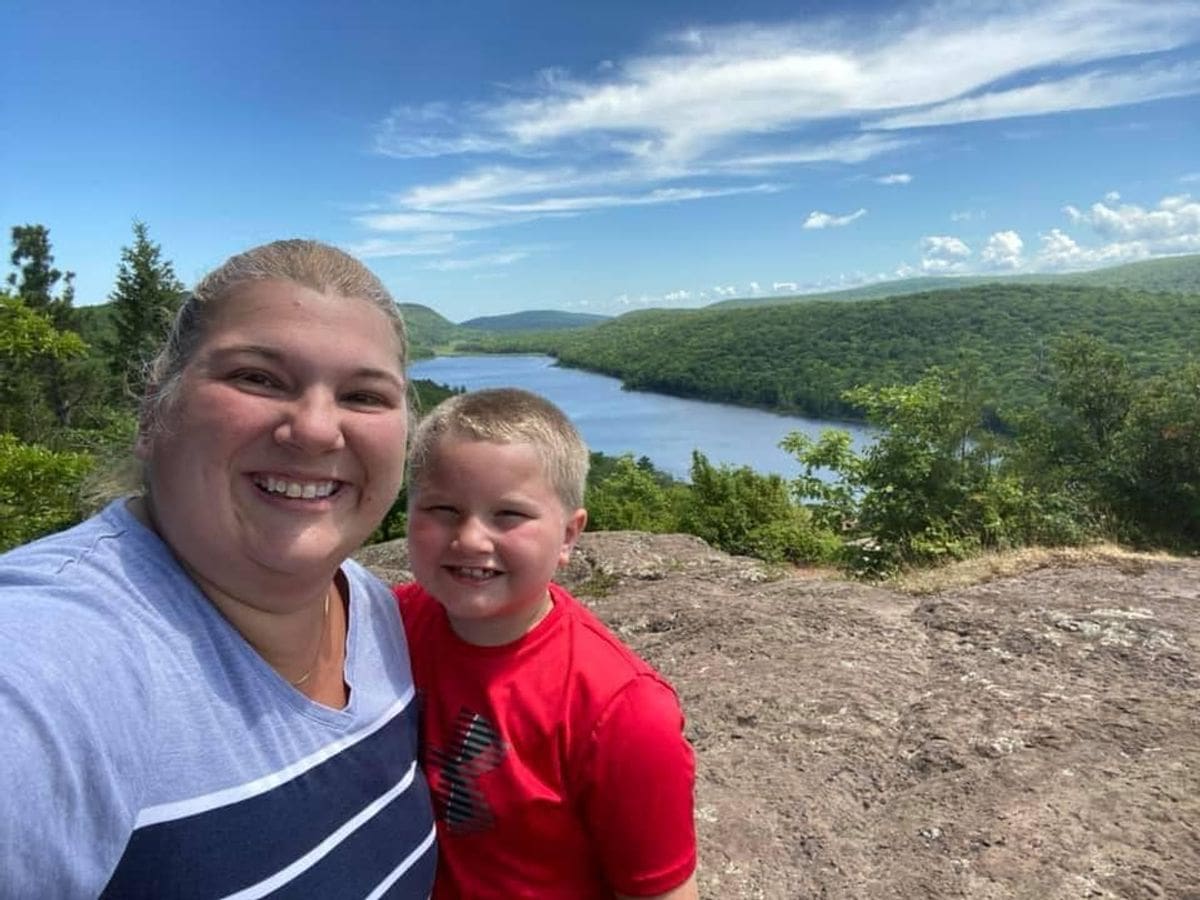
[148,750]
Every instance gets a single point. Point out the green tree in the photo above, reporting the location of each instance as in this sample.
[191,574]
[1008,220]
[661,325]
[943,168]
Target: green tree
[39,490]
[55,389]
[39,487]
[628,497]
[1155,461]
[36,279]
[146,295]
[932,487]
[742,512]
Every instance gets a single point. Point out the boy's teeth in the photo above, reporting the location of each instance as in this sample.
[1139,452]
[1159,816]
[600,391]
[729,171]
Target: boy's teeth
[475,573]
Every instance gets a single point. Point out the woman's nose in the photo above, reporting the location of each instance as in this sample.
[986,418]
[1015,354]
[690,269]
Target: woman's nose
[313,424]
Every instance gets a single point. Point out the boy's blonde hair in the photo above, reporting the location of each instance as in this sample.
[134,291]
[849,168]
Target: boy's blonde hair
[506,416]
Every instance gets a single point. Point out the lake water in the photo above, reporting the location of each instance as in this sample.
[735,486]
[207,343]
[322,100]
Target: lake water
[614,421]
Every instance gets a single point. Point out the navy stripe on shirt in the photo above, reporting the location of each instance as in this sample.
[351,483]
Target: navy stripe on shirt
[339,828]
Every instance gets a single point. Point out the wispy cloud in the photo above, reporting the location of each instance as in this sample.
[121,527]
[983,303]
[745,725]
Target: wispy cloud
[1093,90]
[487,260]
[817,219]
[712,85]
[967,215]
[422,245]
[741,109]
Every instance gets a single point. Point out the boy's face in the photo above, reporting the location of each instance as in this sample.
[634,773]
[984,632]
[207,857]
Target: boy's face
[486,533]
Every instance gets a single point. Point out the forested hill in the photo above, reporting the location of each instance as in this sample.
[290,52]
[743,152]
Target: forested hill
[535,320]
[1176,274]
[801,357]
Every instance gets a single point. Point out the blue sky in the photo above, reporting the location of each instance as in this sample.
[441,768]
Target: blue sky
[600,157]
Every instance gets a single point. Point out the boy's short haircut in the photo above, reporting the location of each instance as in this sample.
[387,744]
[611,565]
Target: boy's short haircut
[506,416]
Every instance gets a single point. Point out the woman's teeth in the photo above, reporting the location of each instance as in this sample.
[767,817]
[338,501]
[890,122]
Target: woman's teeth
[305,490]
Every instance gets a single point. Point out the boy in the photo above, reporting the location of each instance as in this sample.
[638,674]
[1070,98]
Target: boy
[556,756]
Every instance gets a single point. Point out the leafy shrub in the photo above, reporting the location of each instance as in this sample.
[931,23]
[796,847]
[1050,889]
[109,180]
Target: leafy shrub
[39,490]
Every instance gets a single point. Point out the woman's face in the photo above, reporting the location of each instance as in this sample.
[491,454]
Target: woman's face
[284,446]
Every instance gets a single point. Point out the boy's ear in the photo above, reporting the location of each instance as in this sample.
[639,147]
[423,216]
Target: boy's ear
[576,522]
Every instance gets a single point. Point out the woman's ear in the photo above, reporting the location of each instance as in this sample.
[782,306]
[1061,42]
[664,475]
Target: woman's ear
[144,441]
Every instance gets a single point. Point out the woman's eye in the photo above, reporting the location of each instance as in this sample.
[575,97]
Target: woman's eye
[255,378]
[365,398]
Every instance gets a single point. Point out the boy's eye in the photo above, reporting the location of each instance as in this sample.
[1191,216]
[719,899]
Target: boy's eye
[513,514]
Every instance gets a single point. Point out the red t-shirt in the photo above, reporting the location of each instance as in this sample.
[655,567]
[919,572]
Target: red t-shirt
[557,762]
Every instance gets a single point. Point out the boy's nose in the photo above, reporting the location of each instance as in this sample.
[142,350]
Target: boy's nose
[472,534]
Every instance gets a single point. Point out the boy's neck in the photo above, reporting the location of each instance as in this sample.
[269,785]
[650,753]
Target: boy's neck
[498,631]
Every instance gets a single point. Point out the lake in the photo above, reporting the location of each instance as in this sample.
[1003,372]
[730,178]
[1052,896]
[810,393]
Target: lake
[615,421]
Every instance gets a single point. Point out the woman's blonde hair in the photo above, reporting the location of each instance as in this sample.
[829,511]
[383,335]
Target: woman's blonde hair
[309,263]
[312,264]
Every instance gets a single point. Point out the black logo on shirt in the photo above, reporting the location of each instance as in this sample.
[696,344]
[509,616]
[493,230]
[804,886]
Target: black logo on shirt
[476,748]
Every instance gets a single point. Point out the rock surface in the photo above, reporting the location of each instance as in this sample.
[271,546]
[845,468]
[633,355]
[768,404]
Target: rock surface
[1036,736]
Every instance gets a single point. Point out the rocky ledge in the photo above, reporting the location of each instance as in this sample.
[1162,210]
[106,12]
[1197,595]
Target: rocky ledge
[1034,736]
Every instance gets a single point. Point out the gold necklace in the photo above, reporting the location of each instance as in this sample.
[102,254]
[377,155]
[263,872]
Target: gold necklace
[320,643]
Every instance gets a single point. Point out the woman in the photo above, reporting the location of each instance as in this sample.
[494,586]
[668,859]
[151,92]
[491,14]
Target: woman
[200,695]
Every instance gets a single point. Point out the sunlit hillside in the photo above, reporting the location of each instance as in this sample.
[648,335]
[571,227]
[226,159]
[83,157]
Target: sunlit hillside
[1176,274]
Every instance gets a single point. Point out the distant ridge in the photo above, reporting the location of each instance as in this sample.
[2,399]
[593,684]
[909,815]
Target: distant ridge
[535,320]
[1172,274]
[428,329]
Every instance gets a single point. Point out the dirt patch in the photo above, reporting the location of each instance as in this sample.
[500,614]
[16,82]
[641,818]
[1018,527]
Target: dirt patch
[1034,736]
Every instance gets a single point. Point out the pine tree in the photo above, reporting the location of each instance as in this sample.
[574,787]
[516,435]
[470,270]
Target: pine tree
[146,295]
[54,386]
[37,278]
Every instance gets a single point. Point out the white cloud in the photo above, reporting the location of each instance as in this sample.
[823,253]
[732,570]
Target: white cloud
[785,287]
[1093,90]
[420,221]
[1003,250]
[709,85]
[680,296]
[1060,251]
[1190,178]
[755,290]
[421,245]
[967,215]
[943,255]
[1132,232]
[603,201]
[486,260]
[430,130]
[715,112]
[818,219]
[847,151]
[726,290]
[1176,217]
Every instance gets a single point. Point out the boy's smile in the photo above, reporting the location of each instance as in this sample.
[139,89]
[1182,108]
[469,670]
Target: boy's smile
[486,533]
